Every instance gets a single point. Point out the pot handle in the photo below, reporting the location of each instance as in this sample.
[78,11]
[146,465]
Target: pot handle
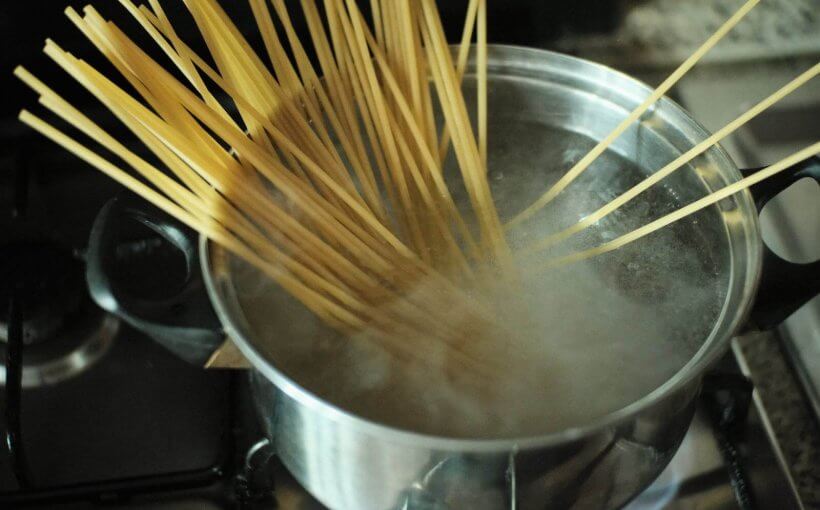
[143,266]
[784,286]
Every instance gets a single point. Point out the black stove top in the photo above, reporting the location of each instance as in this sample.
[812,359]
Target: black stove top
[92,410]
[138,416]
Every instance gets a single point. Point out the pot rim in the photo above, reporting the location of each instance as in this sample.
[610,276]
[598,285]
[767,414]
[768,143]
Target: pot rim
[708,353]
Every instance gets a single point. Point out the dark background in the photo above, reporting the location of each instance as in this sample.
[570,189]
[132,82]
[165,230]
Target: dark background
[25,24]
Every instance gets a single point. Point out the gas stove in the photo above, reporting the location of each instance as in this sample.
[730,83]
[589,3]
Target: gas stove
[97,413]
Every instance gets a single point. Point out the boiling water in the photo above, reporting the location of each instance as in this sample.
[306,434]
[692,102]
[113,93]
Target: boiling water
[594,336]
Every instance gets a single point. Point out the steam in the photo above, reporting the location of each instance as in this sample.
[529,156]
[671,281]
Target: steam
[579,342]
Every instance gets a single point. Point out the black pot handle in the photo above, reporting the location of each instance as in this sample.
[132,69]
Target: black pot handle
[144,266]
[784,286]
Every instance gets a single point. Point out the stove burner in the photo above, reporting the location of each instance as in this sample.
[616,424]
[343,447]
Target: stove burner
[67,354]
[48,281]
[63,333]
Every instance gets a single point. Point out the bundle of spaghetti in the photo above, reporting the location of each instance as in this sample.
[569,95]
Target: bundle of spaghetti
[329,179]
[327,174]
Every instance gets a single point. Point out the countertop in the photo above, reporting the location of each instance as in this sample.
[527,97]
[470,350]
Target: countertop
[788,410]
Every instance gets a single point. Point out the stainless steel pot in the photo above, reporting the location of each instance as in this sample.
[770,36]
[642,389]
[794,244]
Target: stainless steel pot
[351,463]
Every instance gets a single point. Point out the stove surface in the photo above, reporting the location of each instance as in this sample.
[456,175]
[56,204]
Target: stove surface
[138,412]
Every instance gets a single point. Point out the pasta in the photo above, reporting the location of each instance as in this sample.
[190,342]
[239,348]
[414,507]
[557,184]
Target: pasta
[330,179]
